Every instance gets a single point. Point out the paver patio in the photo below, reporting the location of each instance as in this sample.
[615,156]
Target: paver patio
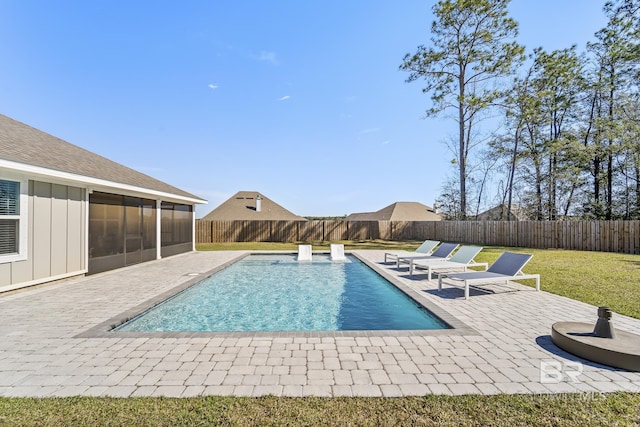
[51,345]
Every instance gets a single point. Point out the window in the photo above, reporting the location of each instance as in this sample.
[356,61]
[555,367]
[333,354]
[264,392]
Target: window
[13,222]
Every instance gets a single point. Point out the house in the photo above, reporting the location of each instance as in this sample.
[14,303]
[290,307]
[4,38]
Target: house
[399,211]
[251,205]
[65,211]
[503,213]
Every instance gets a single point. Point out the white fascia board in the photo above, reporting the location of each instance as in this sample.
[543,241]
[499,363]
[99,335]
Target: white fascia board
[91,183]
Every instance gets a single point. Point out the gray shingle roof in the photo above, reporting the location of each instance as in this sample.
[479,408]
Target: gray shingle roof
[500,213]
[399,211]
[242,206]
[24,144]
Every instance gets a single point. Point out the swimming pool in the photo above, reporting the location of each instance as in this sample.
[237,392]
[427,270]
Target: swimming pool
[267,292]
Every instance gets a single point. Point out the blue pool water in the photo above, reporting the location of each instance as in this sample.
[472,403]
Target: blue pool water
[279,293]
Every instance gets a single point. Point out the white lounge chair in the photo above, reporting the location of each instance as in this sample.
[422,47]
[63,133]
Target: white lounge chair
[304,252]
[460,261]
[337,252]
[507,267]
[443,252]
[426,248]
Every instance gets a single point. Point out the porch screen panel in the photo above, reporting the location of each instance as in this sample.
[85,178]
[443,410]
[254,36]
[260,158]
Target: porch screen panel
[106,225]
[177,224]
[149,223]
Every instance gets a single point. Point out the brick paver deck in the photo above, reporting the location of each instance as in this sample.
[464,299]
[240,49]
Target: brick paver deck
[52,343]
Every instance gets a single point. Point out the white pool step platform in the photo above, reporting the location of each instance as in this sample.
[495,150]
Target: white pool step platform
[337,252]
[304,252]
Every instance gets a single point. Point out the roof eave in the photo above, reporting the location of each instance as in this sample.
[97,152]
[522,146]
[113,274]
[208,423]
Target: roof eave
[93,183]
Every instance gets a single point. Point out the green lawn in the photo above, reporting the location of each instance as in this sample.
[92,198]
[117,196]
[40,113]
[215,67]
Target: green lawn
[596,278]
[620,409]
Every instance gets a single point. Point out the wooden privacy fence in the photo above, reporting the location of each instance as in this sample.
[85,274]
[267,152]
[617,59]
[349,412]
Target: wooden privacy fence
[605,236]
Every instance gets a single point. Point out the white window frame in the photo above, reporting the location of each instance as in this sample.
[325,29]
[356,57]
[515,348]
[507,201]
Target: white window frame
[23,221]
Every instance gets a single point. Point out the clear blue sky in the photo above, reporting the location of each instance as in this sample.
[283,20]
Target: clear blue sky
[299,100]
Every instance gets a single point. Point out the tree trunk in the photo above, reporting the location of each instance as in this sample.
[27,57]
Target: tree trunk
[569,200]
[609,208]
[596,187]
[539,216]
[462,148]
[596,161]
[512,171]
[637,206]
[553,210]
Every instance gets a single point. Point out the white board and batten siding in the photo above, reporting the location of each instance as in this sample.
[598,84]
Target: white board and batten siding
[56,237]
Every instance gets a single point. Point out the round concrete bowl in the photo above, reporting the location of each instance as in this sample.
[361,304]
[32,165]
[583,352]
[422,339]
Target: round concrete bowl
[623,351]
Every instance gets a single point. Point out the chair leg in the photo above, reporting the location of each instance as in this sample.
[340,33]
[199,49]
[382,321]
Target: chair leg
[466,290]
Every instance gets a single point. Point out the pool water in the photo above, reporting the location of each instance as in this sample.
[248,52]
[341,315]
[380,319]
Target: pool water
[279,293]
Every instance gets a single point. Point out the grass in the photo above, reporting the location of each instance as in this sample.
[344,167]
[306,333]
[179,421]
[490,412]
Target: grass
[592,277]
[597,278]
[621,409]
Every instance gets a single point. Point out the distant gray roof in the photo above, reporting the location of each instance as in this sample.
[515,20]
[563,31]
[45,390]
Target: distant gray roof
[24,144]
[502,213]
[399,211]
[242,206]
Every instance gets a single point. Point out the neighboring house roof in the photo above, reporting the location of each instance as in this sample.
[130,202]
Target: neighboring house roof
[399,211]
[501,213]
[243,206]
[40,153]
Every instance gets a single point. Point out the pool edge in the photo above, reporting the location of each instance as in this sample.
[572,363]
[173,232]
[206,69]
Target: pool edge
[106,329]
